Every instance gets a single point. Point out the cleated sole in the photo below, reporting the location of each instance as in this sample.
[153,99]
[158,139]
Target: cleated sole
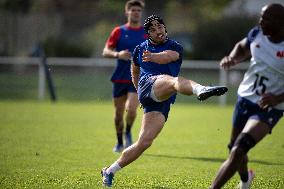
[215,92]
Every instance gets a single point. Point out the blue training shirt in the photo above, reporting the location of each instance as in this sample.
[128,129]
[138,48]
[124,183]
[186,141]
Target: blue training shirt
[148,69]
[122,38]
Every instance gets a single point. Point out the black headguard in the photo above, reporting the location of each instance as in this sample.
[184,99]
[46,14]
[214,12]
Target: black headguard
[149,20]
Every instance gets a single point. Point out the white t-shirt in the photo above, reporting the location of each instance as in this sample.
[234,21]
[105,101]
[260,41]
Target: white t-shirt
[266,71]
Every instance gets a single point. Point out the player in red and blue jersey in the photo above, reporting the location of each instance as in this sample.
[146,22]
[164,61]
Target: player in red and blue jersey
[155,69]
[120,45]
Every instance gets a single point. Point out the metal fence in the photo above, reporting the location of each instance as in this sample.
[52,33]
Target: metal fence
[202,70]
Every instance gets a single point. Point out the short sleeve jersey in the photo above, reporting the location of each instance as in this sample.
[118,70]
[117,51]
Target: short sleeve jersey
[148,69]
[124,37]
[266,71]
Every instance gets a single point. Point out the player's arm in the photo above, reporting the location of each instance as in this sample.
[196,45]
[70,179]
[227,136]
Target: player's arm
[135,71]
[240,53]
[163,57]
[110,46]
[109,52]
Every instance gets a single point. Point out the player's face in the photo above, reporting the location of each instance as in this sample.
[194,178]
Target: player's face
[269,22]
[134,14]
[157,32]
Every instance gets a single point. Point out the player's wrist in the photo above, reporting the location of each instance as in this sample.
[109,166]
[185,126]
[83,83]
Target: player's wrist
[116,55]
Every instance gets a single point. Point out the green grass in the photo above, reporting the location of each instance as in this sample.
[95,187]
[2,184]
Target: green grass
[65,145]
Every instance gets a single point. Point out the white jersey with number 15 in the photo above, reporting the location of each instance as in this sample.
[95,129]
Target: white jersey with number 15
[266,71]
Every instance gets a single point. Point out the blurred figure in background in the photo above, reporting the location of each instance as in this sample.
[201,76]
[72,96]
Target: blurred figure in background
[155,68]
[120,45]
[260,102]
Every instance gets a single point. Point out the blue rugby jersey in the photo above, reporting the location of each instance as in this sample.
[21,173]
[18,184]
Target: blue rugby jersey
[124,37]
[148,69]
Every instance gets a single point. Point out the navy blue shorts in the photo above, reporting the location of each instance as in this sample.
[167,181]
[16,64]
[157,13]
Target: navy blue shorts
[120,89]
[149,105]
[246,109]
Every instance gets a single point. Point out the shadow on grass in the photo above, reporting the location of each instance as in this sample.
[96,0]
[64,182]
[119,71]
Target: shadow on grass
[209,159]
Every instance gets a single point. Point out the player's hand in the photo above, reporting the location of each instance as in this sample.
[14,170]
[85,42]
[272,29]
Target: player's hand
[227,62]
[124,55]
[267,100]
[146,56]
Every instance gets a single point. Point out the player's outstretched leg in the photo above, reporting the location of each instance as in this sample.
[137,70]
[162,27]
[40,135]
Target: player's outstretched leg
[165,86]
[207,92]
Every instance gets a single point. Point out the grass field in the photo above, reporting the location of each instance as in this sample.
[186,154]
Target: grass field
[65,145]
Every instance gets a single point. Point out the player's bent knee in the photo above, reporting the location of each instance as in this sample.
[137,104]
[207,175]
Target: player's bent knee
[176,81]
[244,142]
[237,154]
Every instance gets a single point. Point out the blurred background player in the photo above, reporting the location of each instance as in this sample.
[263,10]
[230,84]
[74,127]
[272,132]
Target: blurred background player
[120,45]
[155,69]
[260,102]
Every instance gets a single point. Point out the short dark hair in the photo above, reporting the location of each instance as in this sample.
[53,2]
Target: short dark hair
[132,3]
[149,20]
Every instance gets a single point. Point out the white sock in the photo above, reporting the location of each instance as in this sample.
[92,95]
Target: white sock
[113,168]
[197,88]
